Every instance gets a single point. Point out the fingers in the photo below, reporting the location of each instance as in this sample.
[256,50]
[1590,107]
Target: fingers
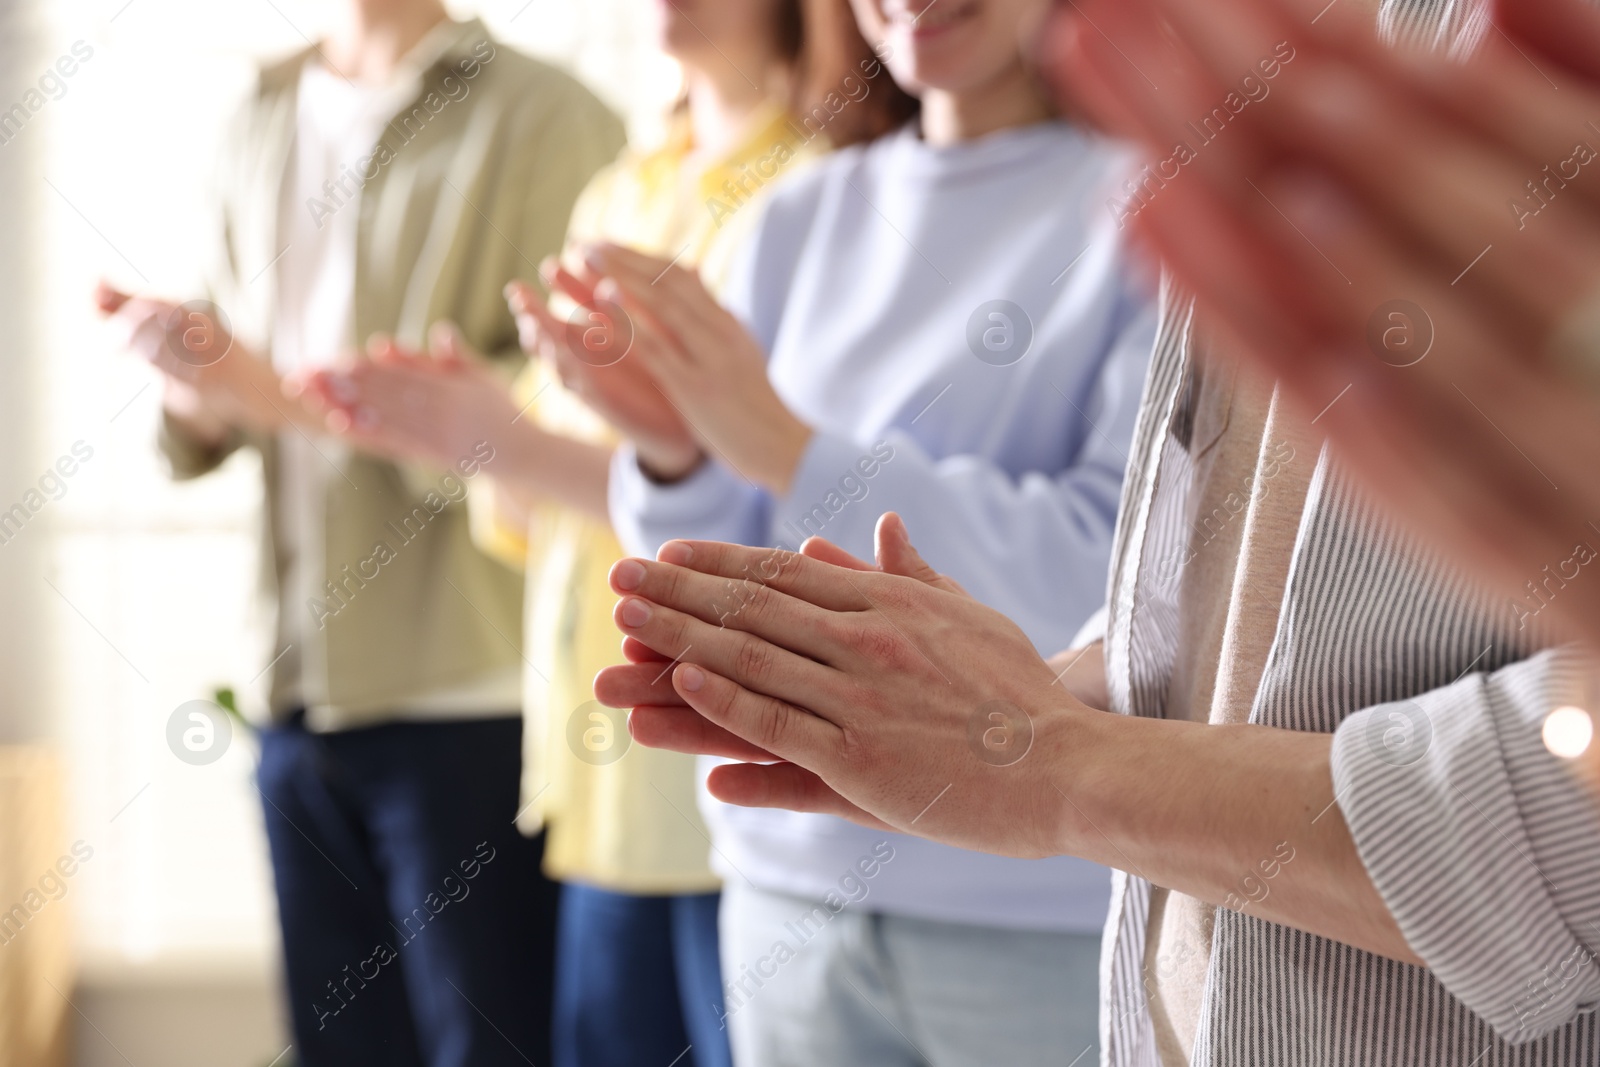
[523,299]
[678,311]
[763,665]
[1351,110]
[1066,61]
[830,587]
[682,729]
[897,556]
[1112,60]
[1453,201]
[539,332]
[447,346]
[625,264]
[1503,98]
[786,786]
[736,603]
[579,288]
[771,725]
[628,685]
[321,391]
[108,299]
[1567,31]
[635,651]
[1212,247]
[825,551]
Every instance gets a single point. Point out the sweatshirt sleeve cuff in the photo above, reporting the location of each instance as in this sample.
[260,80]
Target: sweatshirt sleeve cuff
[1474,835]
[646,514]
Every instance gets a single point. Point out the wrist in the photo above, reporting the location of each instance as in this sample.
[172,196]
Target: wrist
[776,462]
[519,451]
[1082,672]
[1074,746]
[248,391]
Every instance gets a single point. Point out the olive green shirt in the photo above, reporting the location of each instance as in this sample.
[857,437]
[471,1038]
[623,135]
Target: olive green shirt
[468,187]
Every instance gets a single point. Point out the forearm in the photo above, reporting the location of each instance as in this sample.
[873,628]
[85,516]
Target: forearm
[534,464]
[1238,816]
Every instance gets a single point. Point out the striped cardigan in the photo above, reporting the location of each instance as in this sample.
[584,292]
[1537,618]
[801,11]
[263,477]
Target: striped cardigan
[1485,850]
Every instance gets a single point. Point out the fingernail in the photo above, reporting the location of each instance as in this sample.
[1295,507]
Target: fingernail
[676,552]
[635,613]
[691,678]
[629,574]
[606,290]
[595,258]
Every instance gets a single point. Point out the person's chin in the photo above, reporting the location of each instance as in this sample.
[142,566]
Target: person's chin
[940,74]
[941,36]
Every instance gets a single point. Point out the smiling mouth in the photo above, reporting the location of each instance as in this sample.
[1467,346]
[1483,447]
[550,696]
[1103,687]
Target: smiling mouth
[936,16]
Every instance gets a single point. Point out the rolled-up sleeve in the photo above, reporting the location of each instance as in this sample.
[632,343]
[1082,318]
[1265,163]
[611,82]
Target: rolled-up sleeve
[186,455]
[1485,848]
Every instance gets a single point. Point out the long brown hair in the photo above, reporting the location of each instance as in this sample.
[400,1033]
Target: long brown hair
[830,62]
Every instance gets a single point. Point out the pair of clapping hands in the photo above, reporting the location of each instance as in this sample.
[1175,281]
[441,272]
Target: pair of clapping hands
[646,347]
[1408,242]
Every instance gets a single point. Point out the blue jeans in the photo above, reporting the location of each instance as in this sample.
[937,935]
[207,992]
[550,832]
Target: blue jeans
[865,989]
[638,981]
[418,930]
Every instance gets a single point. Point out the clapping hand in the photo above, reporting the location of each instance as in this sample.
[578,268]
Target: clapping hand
[594,354]
[706,363]
[1410,243]
[211,380]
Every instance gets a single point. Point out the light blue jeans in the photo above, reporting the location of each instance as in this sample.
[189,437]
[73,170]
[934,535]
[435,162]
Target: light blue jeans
[804,988]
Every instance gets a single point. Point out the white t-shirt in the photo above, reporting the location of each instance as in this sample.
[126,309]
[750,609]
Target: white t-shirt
[337,123]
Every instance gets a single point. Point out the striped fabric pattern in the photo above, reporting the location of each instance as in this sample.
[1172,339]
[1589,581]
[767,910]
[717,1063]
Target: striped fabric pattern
[1486,852]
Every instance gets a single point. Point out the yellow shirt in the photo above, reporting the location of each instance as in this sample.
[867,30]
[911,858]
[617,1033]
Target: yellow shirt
[619,815]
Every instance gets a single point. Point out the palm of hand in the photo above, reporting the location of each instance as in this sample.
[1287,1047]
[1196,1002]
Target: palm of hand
[627,396]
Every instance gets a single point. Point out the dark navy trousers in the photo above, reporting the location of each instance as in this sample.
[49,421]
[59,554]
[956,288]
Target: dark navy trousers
[640,983]
[418,930]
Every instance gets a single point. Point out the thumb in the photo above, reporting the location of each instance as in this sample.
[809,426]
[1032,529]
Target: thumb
[537,328]
[897,556]
[107,298]
[1564,30]
[446,345]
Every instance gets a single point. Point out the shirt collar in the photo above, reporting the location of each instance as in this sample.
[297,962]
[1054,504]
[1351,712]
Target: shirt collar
[768,128]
